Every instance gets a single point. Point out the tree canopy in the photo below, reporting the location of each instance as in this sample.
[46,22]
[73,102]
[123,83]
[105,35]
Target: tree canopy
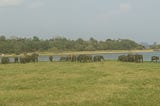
[20,45]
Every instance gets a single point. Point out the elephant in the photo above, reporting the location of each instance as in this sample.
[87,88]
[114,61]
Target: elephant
[98,58]
[16,59]
[63,58]
[131,58]
[81,58]
[23,59]
[84,58]
[73,58]
[138,58]
[154,58]
[51,58]
[29,58]
[34,57]
[5,60]
[69,58]
[123,58]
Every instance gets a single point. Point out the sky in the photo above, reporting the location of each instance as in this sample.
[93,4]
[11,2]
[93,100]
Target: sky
[138,20]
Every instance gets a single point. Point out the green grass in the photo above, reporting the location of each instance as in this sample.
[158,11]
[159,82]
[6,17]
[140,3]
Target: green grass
[110,83]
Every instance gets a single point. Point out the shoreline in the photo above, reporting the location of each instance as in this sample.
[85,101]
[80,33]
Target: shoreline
[95,52]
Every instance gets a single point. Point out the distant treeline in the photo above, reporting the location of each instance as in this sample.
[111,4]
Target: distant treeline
[20,45]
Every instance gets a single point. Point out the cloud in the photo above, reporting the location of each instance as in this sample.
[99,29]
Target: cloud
[125,7]
[4,3]
[36,4]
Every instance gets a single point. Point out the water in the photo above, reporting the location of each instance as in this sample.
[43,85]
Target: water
[146,55]
[108,56]
[111,56]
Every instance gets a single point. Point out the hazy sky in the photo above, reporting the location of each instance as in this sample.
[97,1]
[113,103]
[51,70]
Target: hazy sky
[138,20]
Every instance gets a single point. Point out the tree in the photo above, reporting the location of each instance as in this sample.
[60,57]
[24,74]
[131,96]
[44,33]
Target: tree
[35,38]
[2,38]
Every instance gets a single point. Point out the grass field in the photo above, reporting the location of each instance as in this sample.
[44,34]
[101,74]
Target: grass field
[109,83]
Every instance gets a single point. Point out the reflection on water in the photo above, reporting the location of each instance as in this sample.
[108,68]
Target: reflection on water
[108,56]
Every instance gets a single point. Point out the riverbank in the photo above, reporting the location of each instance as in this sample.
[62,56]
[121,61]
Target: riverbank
[94,52]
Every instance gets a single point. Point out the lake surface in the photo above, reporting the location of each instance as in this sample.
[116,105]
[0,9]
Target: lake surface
[108,56]
[146,55]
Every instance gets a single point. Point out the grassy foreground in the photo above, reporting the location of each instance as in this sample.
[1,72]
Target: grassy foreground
[110,83]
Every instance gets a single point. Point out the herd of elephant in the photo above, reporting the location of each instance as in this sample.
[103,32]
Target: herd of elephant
[80,58]
[135,58]
[26,58]
[131,58]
